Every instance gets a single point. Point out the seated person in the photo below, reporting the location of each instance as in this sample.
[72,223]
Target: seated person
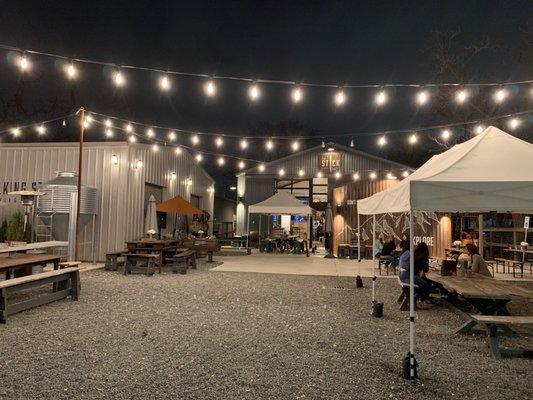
[387,252]
[379,245]
[421,267]
[477,263]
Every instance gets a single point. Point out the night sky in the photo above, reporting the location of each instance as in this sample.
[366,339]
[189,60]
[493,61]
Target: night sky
[304,41]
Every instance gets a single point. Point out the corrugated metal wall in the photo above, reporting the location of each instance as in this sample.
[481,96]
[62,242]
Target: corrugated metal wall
[120,187]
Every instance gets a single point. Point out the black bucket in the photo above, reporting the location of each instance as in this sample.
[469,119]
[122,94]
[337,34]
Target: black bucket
[377,310]
[358,282]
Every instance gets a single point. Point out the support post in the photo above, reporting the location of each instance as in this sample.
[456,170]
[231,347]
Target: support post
[358,235]
[373,236]
[412,361]
[80,171]
[480,239]
[248,230]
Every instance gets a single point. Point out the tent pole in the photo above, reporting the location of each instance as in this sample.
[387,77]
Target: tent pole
[480,239]
[358,235]
[260,216]
[248,231]
[373,236]
[308,233]
[412,367]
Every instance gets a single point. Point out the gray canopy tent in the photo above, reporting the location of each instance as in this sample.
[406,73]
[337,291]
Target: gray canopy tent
[492,172]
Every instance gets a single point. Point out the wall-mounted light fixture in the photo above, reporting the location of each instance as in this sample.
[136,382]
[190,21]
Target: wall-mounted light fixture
[114,159]
[188,182]
[139,164]
[173,176]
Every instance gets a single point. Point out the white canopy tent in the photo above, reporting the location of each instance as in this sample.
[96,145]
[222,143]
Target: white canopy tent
[490,172]
[281,203]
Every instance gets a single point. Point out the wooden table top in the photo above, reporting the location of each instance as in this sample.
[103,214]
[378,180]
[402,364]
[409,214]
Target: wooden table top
[482,287]
[34,246]
[21,260]
[152,242]
[519,250]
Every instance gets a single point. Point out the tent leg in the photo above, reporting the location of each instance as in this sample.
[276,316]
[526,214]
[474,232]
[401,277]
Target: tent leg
[359,236]
[308,233]
[411,355]
[260,216]
[248,231]
[374,237]
[480,239]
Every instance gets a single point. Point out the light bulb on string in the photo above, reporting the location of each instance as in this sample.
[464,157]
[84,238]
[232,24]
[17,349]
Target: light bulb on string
[413,139]
[241,165]
[86,124]
[422,97]
[71,71]
[337,175]
[382,141]
[479,129]
[199,157]
[119,79]
[129,128]
[219,142]
[177,151]
[500,95]
[164,83]
[445,134]
[295,146]
[339,98]
[210,88]
[15,131]
[319,174]
[64,122]
[150,133]
[221,161]
[296,95]
[261,167]
[301,172]
[195,139]
[254,92]
[405,174]
[269,144]
[381,98]
[244,144]
[132,139]
[323,144]
[172,136]
[109,133]
[373,175]
[390,176]
[461,96]
[155,148]
[89,118]
[41,129]
[355,176]
[108,123]
[352,143]
[514,123]
[24,63]
[281,172]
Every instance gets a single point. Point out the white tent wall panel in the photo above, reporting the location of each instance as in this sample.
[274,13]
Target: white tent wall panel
[120,187]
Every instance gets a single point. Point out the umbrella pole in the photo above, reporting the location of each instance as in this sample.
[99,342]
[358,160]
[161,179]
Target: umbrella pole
[412,361]
[374,237]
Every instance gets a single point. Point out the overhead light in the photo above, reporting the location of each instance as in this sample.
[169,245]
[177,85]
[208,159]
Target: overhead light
[195,139]
[219,141]
[108,123]
[405,174]
[422,97]
[296,95]
[199,157]
[514,123]
[355,176]
[233,188]
[301,172]
[253,92]
[319,174]
[373,175]
[337,175]
[412,138]
[210,88]
[269,144]
[24,63]
[128,127]
[352,143]
[340,98]
[500,95]
[172,136]
[165,83]
[381,98]
[281,172]
[391,176]
[461,96]
[241,165]
[132,138]
[177,151]
[114,159]
[109,132]
[41,129]
[295,145]
[244,144]
[261,167]
[155,148]
[71,71]
[382,141]
[150,133]
[221,161]
[119,79]
[445,134]
[479,129]
[15,131]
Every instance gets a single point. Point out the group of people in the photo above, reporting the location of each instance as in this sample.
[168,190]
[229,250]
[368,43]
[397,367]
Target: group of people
[386,249]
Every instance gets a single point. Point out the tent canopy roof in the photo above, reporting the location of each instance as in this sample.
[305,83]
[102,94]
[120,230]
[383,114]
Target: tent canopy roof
[178,205]
[490,172]
[280,203]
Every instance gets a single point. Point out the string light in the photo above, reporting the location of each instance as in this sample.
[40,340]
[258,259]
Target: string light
[150,133]
[129,127]
[109,133]
[41,129]
[15,132]
[352,144]
[373,175]
[319,174]
[195,139]
[241,165]
[340,98]
[337,175]
[108,123]
[71,71]
[221,161]
[155,148]
[86,124]
[461,96]
[381,98]
[405,174]
[177,151]
[382,141]
[219,142]
[355,176]
[24,63]
[261,167]
[295,146]
[500,95]
[199,157]
[413,138]
[119,79]
[164,83]
[89,118]
[390,176]
[296,95]
[479,129]
[445,134]
[253,92]
[301,172]
[132,139]
[281,172]
[269,145]
[172,136]
[210,88]
[244,144]
[514,123]
[422,97]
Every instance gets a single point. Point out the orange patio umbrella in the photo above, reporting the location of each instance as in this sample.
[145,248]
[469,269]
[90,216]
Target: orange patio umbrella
[178,205]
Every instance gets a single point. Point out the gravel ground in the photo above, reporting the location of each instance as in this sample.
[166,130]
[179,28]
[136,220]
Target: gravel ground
[215,335]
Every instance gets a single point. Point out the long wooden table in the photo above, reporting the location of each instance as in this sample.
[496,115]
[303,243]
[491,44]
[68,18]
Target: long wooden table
[34,246]
[487,295]
[16,261]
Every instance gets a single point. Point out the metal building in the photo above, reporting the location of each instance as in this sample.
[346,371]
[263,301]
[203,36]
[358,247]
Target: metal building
[124,174]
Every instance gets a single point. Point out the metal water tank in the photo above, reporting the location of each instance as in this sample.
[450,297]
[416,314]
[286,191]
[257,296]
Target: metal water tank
[58,191]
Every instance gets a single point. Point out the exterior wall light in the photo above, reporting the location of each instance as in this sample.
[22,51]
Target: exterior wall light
[114,159]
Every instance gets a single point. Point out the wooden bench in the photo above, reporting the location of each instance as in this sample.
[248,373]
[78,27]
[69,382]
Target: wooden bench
[492,323]
[111,260]
[181,261]
[66,282]
[343,250]
[353,252]
[506,262]
[140,263]
[69,264]
[404,296]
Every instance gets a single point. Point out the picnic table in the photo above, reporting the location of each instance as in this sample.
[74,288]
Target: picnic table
[487,295]
[19,261]
[159,247]
[34,246]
